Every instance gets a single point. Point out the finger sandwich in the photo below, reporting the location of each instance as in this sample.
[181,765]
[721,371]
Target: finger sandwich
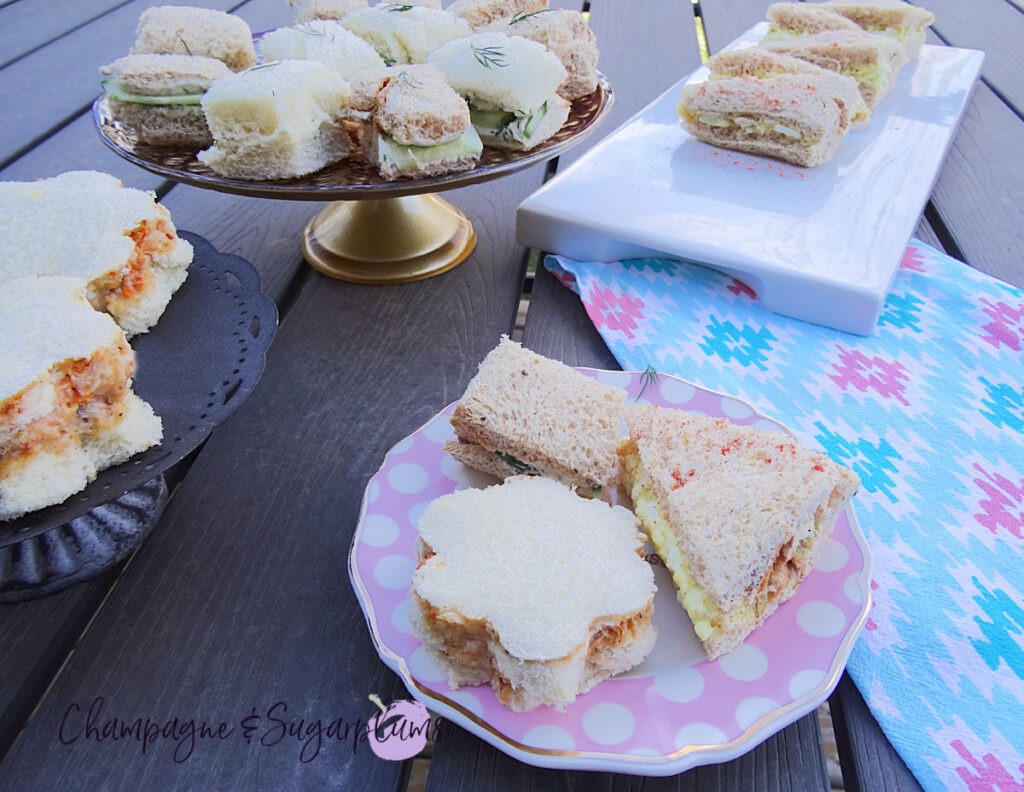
[86,224]
[567,34]
[416,125]
[404,33]
[305,10]
[872,60]
[277,120]
[525,413]
[186,30]
[790,117]
[323,40]
[67,408]
[762,63]
[503,595]
[156,98]
[791,20]
[511,84]
[904,22]
[737,514]
[482,14]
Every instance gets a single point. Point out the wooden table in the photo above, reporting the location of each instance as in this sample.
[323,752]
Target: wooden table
[240,598]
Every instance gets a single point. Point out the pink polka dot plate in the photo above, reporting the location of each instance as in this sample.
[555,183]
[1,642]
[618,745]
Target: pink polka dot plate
[674,711]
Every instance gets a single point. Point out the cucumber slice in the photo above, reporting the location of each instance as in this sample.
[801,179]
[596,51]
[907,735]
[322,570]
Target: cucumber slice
[490,119]
[124,96]
[534,121]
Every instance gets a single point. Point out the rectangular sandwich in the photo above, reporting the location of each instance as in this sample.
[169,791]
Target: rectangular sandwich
[67,408]
[567,34]
[157,97]
[531,589]
[790,117]
[88,225]
[414,123]
[278,120]
[511,84]
[482,14]
[525,413]
[763,63]
[737,514]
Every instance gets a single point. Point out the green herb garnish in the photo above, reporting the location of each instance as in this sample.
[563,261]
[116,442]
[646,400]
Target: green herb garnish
[649,377]
[398,7]
[489,56]
[520,16]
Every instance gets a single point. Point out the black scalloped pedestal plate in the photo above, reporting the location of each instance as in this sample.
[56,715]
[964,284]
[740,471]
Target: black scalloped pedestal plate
[195,368]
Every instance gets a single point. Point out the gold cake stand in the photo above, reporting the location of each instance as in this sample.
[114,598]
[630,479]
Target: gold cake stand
[373,231]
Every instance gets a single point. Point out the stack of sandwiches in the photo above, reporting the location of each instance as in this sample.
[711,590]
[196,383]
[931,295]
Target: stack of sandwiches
[737,514]
[784,113]
[70,302]
[192,81]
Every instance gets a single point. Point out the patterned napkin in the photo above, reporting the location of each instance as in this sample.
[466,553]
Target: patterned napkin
[930,412]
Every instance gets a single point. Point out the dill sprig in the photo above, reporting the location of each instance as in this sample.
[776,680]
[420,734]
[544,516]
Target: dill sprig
[521,15]
[489,56]
[648,377]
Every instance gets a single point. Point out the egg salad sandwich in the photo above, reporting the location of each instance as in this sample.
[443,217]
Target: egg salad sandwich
[904,22]
[790,117]
[567,34]
[86,224]
[791,20]
[762,63]
[738,515]
[482,14]
[415,125]
[156,98]
[531,589]
[187,30]
[278,120]
[67,408]
[525,413]
[871,59]
[405,33]
[323,40]
[511,84]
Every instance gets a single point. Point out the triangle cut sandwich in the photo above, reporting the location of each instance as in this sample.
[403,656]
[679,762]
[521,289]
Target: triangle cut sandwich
[525,413]
[506,592]
[737,514]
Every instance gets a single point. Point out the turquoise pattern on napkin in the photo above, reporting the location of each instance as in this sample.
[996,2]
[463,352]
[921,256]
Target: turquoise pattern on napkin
[929,410]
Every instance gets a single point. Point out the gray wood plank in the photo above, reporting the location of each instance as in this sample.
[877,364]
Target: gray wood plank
[29,24]
[993,26]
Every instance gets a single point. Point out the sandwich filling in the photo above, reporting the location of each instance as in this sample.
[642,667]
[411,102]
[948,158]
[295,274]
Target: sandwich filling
[393,156]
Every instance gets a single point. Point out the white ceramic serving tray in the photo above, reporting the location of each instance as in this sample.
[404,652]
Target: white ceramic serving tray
[819,244]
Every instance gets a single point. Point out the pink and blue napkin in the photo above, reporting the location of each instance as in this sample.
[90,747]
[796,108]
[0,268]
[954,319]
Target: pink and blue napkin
[929,410]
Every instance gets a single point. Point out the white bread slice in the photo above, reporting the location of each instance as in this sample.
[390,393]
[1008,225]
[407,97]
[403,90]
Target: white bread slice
[404,33]
[790,117]
[532,589]
[323,40]
[737,514]
[871,59]
[156,96]
[534,414]
[67,410]
[484,13]
[499,72]
[567,34]
[759,62]
[187,30]
[904,22]
[86,224]
[275,121]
